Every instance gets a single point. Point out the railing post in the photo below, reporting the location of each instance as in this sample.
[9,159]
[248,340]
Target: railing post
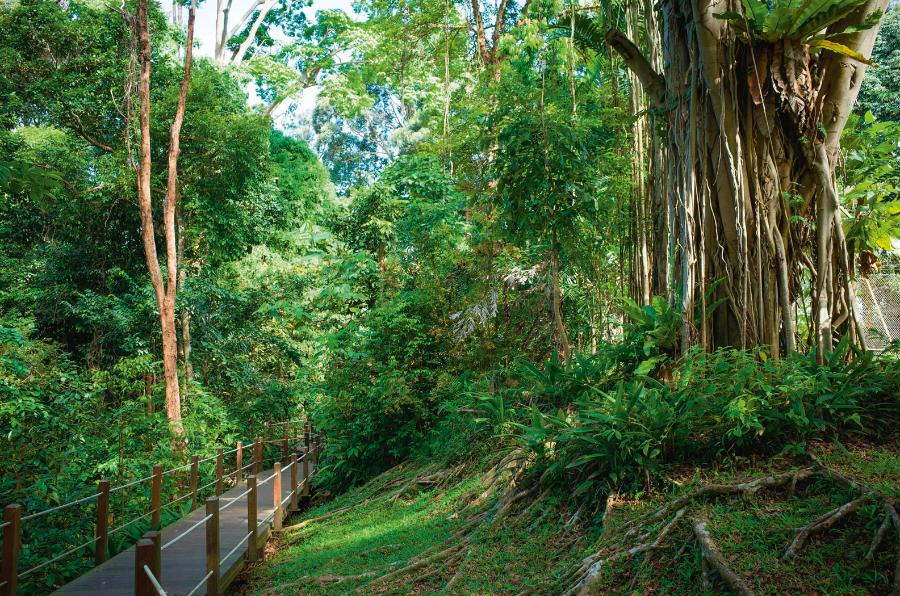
[146,553]
[306,434]
[219,470]
[195,475]
[143,557]
[294,464]
[212,546]
[284,443]
[276,494]
[9,572]
[315,456]
[251,518]
[101,528]
[305,493]
[257,456]
[239,462]
[155,537]
[156,497]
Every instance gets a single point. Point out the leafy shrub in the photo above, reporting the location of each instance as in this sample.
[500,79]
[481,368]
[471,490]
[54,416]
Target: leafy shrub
[622,432]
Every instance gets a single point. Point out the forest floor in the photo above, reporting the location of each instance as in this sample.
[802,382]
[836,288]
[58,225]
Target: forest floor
[465,529]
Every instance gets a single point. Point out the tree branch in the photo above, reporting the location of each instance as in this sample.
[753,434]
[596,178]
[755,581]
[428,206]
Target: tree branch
[239,54]
[480,39]
[653,83]
[79,128]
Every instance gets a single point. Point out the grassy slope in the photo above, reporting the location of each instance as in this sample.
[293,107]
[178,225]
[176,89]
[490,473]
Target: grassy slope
[534,546]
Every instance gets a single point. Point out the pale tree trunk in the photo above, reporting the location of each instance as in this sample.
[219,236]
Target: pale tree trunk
[185,314]
[259,8]
[748,172]
[562,337]
[164,290]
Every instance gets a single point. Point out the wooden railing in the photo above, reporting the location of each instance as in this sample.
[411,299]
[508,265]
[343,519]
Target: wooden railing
[148,548]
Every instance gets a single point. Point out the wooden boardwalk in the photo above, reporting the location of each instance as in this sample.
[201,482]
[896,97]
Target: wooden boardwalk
[183,563]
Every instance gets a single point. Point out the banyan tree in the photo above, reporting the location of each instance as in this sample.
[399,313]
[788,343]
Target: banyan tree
[737,215]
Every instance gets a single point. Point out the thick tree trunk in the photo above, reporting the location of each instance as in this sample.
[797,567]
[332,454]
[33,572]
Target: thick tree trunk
[747,174]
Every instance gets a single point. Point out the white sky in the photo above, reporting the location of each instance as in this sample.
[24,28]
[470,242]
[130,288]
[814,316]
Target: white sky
[204,34]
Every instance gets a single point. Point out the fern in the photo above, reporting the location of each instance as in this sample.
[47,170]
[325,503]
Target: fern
[802,21]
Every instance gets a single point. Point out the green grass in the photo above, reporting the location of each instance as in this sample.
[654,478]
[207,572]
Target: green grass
[530,549]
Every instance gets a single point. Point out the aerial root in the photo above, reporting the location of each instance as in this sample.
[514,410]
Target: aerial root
[714,558]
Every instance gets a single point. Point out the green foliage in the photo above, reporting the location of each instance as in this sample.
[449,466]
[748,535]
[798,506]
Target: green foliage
[871,183]
[620,432]
[880,90]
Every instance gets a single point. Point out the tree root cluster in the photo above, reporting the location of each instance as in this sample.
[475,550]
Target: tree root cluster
[500,493]
[647,534]
[644,536]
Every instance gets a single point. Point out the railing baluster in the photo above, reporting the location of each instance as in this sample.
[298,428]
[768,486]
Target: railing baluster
[276,495]
[101,528]
[195,475]
[146,554]
[219,470]
[293,504]
[9,572]
[156,497]
[212,546]
[251,518]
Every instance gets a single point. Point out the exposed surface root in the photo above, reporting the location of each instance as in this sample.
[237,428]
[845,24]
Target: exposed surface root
[822,523]
[747,489]
[321,518]
[879,537]
[714,558]
[417,564]
[642,536]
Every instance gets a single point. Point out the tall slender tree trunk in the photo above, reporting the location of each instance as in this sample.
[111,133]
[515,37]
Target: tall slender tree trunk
[562,337]
[164,290]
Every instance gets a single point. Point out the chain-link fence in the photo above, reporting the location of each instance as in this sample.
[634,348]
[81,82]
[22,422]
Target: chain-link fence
[878,304]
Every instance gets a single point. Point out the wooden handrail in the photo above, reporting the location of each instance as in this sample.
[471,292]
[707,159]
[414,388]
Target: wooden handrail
[13,519]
